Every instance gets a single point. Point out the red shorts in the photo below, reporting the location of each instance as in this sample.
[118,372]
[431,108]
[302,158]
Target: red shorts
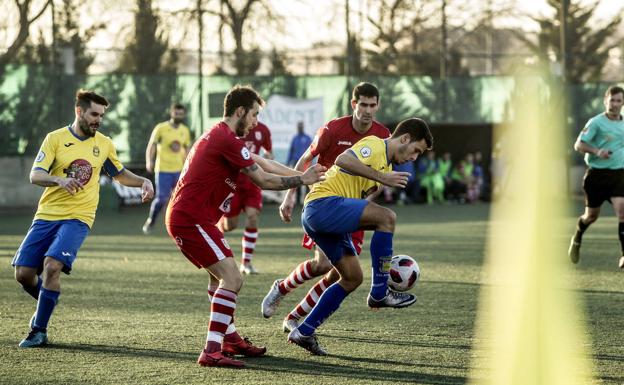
[246,195]
[357,237]
[203,245]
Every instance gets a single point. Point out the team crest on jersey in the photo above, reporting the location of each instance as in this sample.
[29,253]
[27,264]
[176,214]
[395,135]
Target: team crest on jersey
[365,152]
[225,243]
[40,156]
[79,169]
[258,135]
[96,151]
[245,153]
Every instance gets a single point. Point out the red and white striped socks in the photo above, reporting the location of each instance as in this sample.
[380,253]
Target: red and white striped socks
[221,317]
[305,306]
[250,236]
[297,277]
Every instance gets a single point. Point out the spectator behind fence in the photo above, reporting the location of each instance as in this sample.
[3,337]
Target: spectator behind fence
[298,145]
[432,180]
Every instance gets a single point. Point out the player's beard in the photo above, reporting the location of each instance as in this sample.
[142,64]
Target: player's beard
[88,129]
[240,128]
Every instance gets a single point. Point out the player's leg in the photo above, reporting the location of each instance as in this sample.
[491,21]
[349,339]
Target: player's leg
[382,220]
[250,237]
[350,278]
[303,272]
[156,204]
[596,187]
[28,259]
[618,207]
[59,257]
[305,306]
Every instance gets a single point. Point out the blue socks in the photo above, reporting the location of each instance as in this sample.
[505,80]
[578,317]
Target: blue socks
[330,300]
[33,291]
[45,306]
[381,254]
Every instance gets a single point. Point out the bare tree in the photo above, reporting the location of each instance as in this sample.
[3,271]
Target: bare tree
[26,18]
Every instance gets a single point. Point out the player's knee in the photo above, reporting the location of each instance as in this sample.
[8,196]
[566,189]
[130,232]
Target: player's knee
[51,273]
[387,220]
[590,218]
[320,266]
[352,281]
[23,276]
[233,280]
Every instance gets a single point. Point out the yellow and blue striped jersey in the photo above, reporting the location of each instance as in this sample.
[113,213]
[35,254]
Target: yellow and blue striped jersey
[170,142]
[371,151]
[65,154]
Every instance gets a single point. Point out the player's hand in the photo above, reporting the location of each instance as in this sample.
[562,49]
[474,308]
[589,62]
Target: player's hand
[147,191]
[604,154]
[71,185]
[395,179]
[313,174]
[287,207]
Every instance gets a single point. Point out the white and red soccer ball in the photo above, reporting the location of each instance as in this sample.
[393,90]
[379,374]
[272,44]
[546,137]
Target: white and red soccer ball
[404,273]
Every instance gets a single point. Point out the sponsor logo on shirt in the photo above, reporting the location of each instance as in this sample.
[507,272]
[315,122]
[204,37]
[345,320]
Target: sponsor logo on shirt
[40,156]
[175,146]
[80,170]
[225,206]
[229,182]
[344,143]
[68,144]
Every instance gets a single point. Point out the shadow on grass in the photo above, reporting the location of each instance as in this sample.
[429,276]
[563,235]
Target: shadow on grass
[386,342]
[327,371]
[126,351]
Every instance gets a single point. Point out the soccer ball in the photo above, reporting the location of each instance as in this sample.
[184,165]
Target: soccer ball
[404,273]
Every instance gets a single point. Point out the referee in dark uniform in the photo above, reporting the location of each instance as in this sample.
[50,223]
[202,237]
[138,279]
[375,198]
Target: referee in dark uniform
[602,142]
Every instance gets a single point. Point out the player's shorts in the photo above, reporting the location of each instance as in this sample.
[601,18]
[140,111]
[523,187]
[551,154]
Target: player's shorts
[246,195]
[203,245]
[57,239]
[330,222]
[602,184]
[165,183]
[357,237]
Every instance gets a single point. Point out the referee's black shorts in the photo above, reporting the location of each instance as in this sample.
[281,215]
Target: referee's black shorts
[602,184]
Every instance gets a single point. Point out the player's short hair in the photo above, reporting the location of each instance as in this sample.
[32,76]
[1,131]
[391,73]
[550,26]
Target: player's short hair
[240,96]
[417,128]
[85,97]
[364,89]
[614,90]
[177,106]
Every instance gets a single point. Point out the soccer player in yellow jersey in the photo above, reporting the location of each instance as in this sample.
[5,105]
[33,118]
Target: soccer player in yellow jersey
[164,156]
[338,206]
[68,166]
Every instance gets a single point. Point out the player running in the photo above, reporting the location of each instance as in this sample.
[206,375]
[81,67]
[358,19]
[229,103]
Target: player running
[203,194]
[331,140]
[337,207]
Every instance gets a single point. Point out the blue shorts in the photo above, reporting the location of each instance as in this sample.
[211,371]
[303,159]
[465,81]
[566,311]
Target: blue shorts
[165,183]
[330,222]
[57,239]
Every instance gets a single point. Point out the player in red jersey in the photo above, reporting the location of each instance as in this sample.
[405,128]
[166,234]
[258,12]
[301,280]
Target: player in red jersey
[203,194]
[330,141]
[248,198]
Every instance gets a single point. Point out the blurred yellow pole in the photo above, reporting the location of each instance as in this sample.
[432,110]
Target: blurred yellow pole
[530,326]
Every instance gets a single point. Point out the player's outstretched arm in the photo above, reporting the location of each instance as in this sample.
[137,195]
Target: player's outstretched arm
[288,203]
[269,181]
[274,167]
[130,179]
[349,162]
[42,178]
